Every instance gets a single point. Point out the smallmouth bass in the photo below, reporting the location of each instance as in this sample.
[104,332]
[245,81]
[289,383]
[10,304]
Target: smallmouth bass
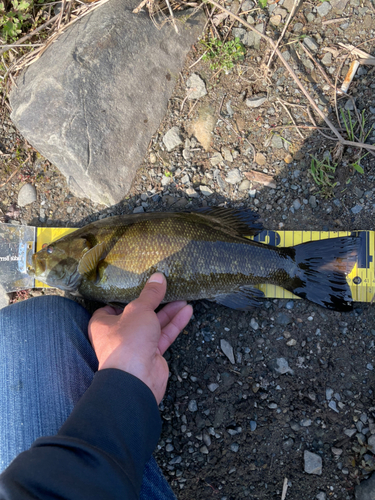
[203,254]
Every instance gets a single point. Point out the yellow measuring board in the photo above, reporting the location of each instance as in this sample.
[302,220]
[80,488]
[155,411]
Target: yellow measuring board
[361,279]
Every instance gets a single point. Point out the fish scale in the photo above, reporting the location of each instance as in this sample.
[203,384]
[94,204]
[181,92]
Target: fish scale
[203,254]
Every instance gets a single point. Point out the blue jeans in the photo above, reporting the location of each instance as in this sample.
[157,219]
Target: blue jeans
[47,363]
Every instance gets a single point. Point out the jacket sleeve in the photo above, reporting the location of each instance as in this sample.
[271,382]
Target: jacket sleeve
[99,452]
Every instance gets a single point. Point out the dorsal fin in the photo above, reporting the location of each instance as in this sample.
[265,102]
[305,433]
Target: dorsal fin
[89,261]
[235,220]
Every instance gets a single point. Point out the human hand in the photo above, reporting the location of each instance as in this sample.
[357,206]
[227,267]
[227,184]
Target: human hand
[134,340]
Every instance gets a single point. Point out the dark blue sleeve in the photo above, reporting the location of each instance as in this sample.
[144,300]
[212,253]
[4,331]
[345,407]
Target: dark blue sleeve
[100,451]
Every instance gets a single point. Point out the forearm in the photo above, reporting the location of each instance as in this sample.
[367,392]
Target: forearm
[99,452]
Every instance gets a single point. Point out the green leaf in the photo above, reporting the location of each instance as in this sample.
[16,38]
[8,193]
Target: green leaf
[23,5]
[358,168]
[263,3]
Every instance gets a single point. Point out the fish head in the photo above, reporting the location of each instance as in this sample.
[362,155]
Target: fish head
[57,263]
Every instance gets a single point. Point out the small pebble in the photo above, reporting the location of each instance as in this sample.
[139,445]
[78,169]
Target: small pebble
[196,87]
[193,407]
[311,43]
[227,350]
[332,405]
[234,447]
[323,9]
[253,425]
[234,176]
[313,463]
[172,138]
[26,195]
[254,324]
[255,101]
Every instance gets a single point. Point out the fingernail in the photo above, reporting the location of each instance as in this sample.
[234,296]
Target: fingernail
[156,278]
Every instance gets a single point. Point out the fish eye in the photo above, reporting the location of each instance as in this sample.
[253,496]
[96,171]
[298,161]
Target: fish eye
[49,249]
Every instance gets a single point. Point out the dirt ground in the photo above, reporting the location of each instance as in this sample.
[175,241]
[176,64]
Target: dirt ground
[302,377]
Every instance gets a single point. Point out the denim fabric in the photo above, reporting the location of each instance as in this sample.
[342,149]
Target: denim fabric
[47,363]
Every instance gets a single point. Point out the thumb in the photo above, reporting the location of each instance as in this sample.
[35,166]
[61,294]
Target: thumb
[154,291]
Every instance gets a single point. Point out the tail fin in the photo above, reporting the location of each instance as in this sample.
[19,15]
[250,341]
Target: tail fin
[321,269]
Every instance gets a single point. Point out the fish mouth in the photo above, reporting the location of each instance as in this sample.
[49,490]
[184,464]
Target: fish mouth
[35,266]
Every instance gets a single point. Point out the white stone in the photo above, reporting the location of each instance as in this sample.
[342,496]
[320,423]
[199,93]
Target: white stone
[311,43]
[191,193]
[234,176]
[172,138]
[165,180]
[215,159]
[327,59]
[205,190]
[227,350]
[323,9]
[26,195]
[313,463]
[196,87]
[255,101]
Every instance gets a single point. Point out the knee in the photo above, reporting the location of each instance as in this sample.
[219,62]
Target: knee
[39,317]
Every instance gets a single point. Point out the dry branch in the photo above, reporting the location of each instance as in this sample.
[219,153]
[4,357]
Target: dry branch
[326,77]
[294,8]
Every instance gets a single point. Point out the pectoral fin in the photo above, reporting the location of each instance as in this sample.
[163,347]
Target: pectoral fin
[89,262]
[242,299]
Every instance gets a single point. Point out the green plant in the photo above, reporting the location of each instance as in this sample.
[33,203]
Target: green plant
[353,127]
[223,55]
[12,18]
[262,3]
[323,172]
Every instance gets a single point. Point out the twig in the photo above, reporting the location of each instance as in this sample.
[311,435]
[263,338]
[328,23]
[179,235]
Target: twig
[354,50]
[26,37]
[197,61]
[221,105]
[318,128]
[313,127]
[295,5]
[140,6]
[210,18]
[339,20]
[369,60]
[61,14]
[285,489]
[291,117]
[326,77]
[172,16]
[231,26]
[296,79]
[191,110]
[14,173]
[24,45]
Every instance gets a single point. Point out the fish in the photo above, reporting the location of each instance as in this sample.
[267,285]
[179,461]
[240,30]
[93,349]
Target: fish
[204,254]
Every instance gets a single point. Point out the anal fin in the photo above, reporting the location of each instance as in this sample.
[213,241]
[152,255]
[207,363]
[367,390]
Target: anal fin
[241,299]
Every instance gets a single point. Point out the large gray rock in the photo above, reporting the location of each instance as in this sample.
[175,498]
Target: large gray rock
[93,100]
[366,489]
